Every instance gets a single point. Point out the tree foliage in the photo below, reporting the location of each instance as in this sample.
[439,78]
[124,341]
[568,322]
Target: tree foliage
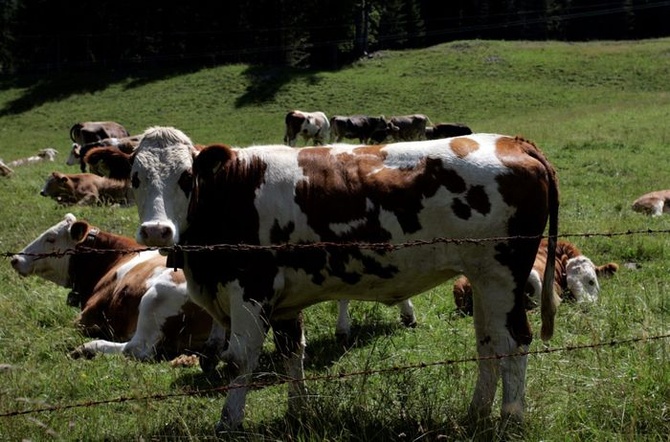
[38,35]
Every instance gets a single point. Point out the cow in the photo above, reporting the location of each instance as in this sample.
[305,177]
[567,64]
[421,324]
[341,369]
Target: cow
[86,189]
[264,232]
[109,162]
[576,278]
[5,170]
[46,154]
[447,130]
[654,203]
[313,126]
[408,127]
[357,126]
[87,134]
[131,301]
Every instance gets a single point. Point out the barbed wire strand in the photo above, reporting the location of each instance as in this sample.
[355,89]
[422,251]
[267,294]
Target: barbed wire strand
[383,246]
[280,379]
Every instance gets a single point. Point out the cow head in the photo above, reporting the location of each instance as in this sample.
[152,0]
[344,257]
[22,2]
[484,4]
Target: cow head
[582,277]
[48,154]
[32,260]
[75,152]
[161,179]
[59,187]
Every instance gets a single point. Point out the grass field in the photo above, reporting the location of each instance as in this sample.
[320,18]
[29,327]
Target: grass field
[601,113]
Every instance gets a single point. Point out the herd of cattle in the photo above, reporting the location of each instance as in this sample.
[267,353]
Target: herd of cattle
[433,184]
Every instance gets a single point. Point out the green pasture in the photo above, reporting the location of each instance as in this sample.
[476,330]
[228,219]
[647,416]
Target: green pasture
[601,113]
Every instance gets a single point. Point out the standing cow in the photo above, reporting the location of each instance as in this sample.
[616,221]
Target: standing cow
[227,206]
[131,301]
[309,125]
[87,134]
[409,127]
[357,126]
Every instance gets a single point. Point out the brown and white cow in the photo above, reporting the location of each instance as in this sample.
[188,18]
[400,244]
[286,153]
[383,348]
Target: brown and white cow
[265,232]
[313,126]
[447,130]
[357,126]
[653,203]
[85,135]
[86,189]
[131,301]
[575,278]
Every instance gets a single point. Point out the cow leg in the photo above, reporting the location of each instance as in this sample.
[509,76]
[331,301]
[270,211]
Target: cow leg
[215,347]
[343,327]
[407,313]
[248,329]
[289,340]
[90,349]
[494,309]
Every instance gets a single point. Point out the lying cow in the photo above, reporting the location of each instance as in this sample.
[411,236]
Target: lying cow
[108,162]
[312,126]
[131,301]
[47,154]
[575,278]
[447,130]
[86,189]
[87,134]
[356,126]
[653,203]
[389,222]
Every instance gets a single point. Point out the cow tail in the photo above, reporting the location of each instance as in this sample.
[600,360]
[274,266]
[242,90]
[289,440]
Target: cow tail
[550,300]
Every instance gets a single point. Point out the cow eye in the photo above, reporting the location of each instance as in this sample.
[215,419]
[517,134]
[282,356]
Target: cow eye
[592,282]
[135,181]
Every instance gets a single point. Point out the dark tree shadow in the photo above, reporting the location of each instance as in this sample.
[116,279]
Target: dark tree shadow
[265,82]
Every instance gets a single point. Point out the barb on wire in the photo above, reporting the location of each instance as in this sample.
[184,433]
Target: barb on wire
[279,379]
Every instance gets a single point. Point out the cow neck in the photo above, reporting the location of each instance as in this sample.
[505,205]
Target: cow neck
[88,267]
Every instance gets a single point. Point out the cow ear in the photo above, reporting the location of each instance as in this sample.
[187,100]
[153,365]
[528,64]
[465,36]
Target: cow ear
[608,269]
[211,159]
[564,261]
[79,230]
[70,218]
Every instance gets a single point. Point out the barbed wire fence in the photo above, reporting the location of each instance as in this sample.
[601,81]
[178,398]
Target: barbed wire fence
[278,379]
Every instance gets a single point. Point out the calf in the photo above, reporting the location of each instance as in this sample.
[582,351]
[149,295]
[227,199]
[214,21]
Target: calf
[86,188]
[575,278]
[309,125]
[267,231]
[130,300]
[356,126]
[447,130]
[653,203]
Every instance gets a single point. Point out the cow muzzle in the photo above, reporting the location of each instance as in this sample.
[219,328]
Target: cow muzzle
[157,235]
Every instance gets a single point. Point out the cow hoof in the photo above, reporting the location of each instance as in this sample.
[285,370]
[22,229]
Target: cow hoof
[207,363]
[408,321]
[343,340]
[82,352]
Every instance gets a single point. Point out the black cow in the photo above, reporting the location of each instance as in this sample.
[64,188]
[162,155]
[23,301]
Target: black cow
[447,130]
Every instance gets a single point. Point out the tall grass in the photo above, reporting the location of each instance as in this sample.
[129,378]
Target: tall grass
[600,112]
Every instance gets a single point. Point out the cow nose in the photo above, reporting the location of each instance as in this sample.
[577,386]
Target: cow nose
[14,261]
[156,235]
